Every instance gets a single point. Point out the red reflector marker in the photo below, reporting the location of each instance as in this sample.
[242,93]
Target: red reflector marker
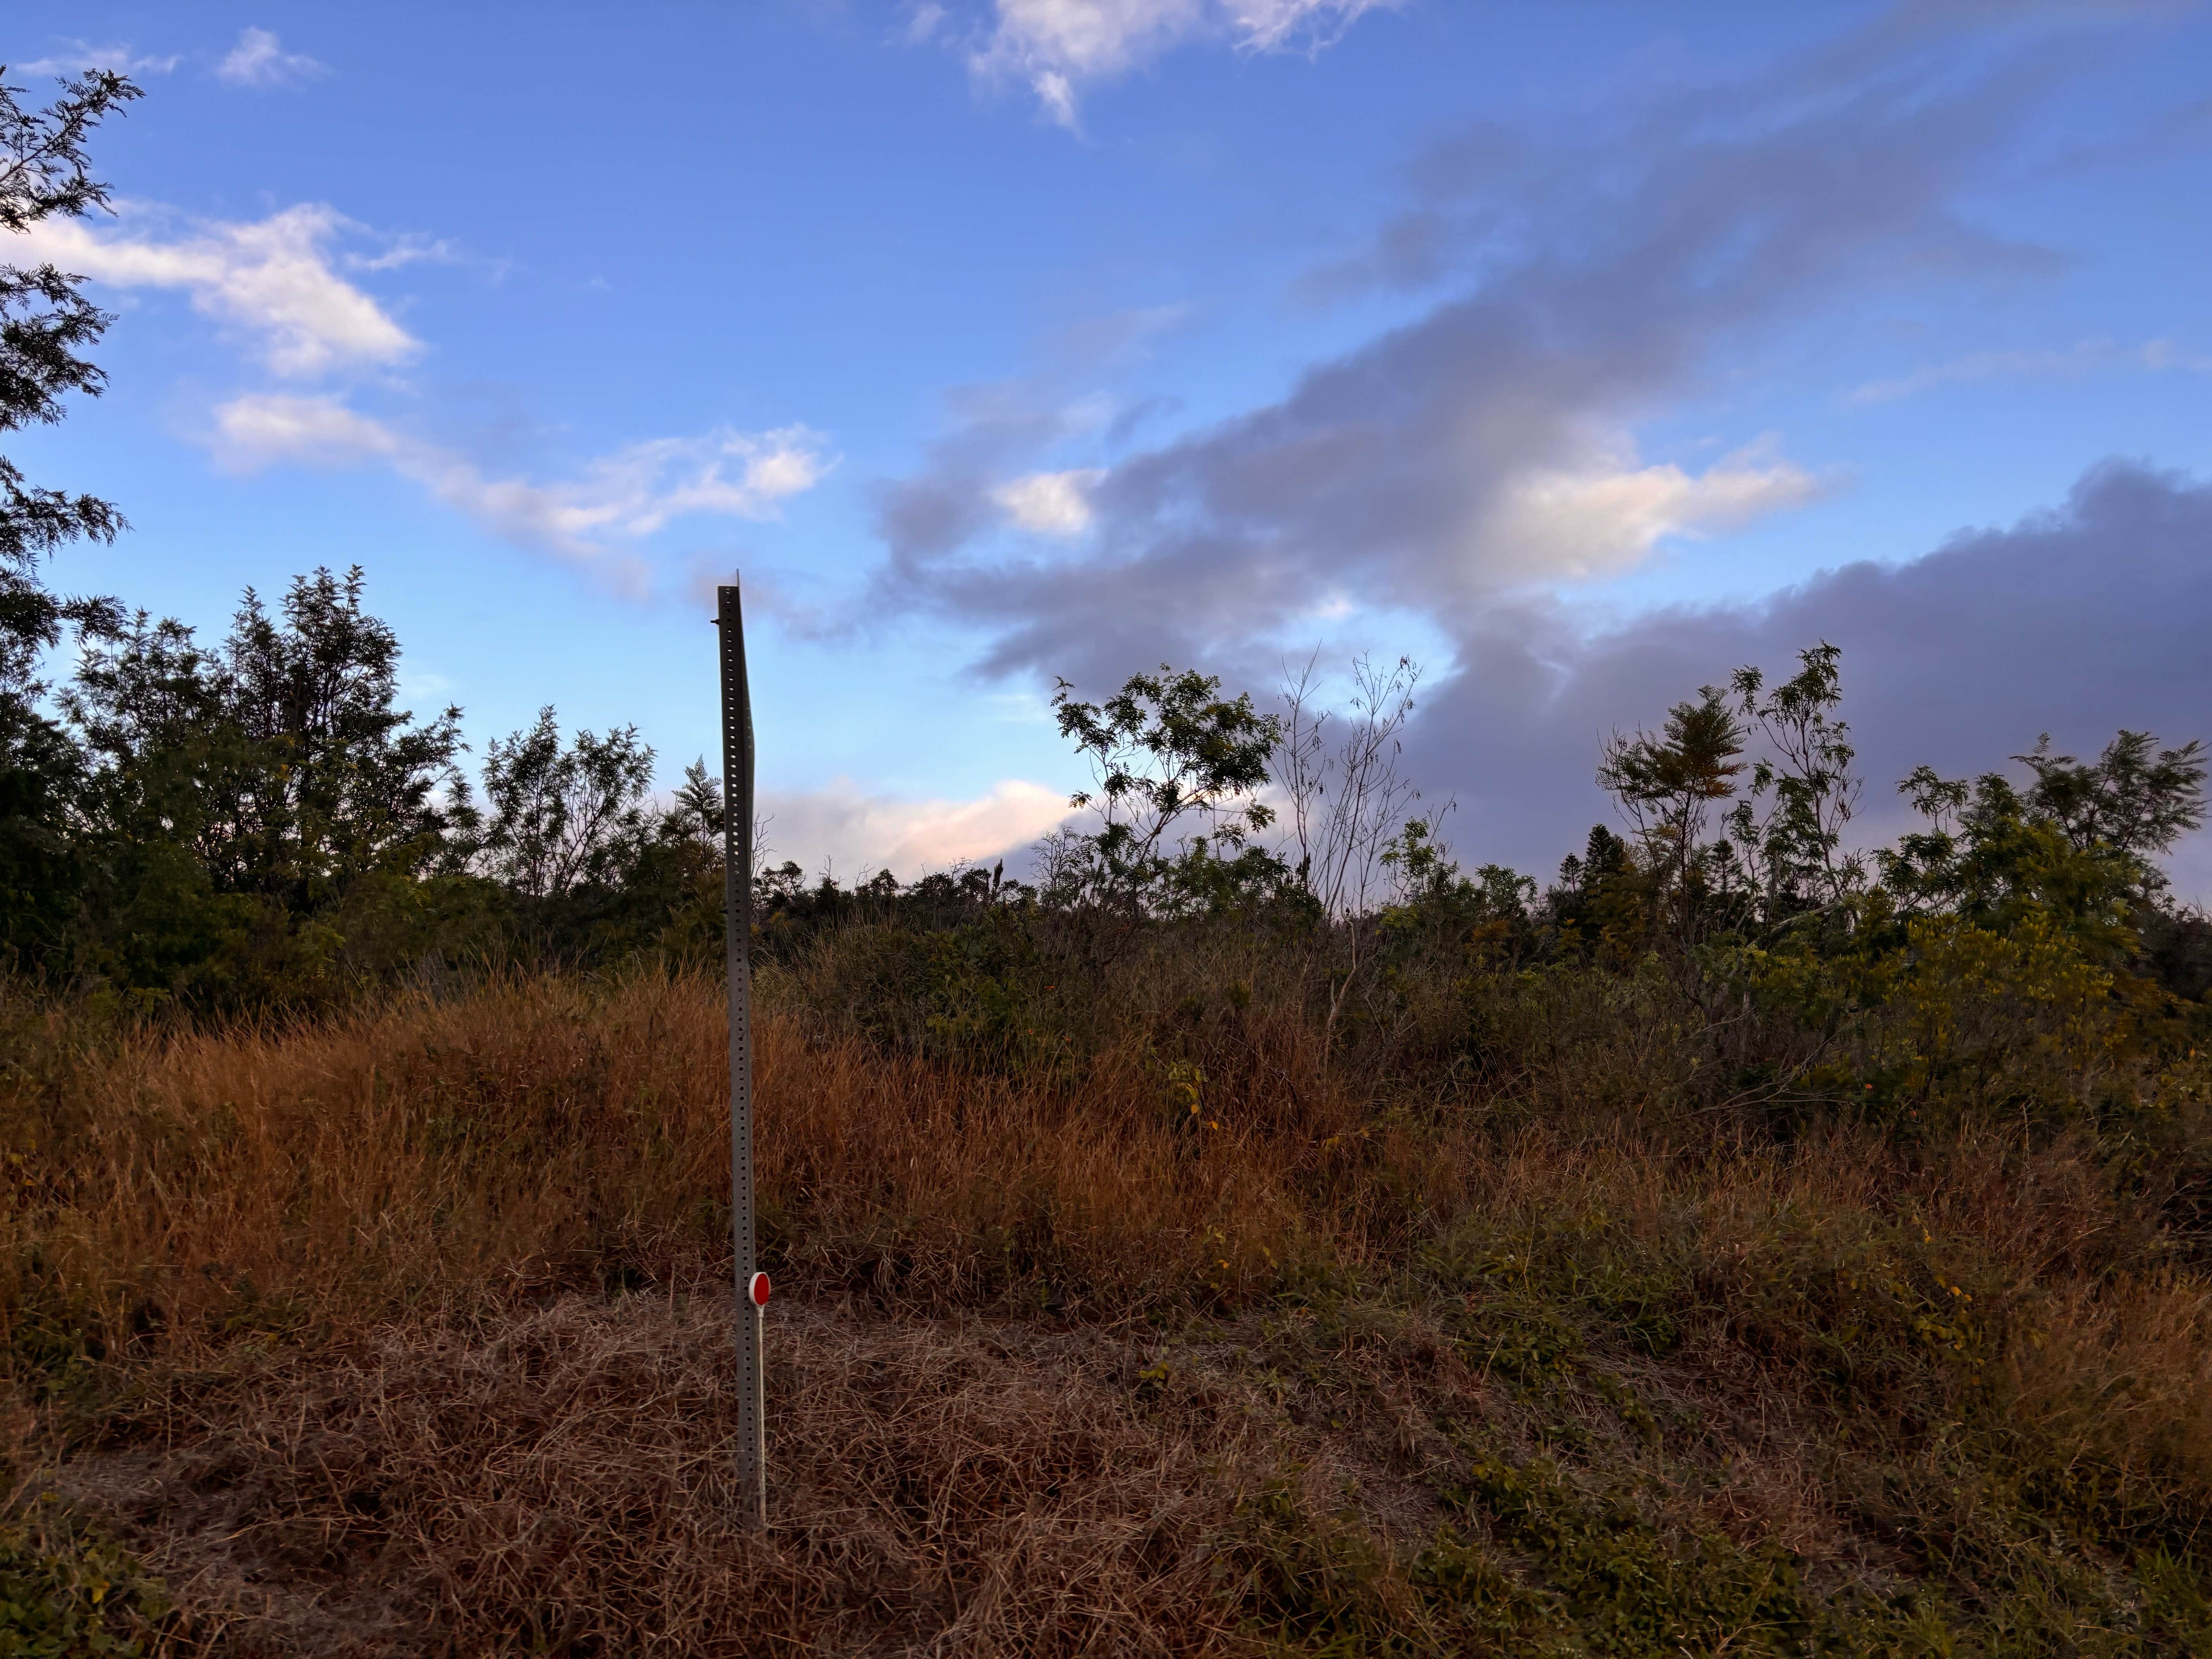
[759,1290]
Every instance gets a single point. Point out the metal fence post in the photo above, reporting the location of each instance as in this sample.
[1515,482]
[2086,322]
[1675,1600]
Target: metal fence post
[737,906]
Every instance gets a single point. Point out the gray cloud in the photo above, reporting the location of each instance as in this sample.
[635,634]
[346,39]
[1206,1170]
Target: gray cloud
[932,515]
[2076,622]
[1483,451]
[1470,466]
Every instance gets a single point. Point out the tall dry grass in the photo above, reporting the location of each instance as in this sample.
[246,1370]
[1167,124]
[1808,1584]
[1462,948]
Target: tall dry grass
[401,1327]
[546,1134]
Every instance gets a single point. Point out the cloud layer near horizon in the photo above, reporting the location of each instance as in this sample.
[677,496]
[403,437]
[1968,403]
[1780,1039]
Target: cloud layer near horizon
[2078,621]
[848,831]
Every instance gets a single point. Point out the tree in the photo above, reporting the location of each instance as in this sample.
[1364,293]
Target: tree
[2075,846]
[1600,903]
[282,758]
[1788,828]
[696,811]
[1780,858]
[1167,750]
[258,815]
[348,782]
[45,325]
[1345,799]
[696,814]
[160,759]
[1667,786]
[2135,798]
[41,775]
[563,818]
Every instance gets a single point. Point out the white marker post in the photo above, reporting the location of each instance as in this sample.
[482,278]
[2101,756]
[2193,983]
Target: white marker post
[737,908]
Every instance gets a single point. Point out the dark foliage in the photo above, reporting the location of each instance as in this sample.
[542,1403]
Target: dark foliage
[46,324]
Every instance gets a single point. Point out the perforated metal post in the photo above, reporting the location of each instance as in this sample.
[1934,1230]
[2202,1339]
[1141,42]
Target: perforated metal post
[737,906]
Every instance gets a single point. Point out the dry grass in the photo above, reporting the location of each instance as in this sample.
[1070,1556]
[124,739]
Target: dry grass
[562,1484]
[399,1333]
[547,1135]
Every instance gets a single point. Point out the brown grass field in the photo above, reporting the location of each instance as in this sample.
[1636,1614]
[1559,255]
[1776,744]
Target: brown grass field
[407,1330]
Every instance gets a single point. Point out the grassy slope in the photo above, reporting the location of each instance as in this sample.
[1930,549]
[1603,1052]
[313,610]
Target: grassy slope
[1106,1323]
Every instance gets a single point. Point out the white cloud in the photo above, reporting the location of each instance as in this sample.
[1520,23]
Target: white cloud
[1055,45]
[1599,520]
[254,432]
[619,499]
[274,278]
[407,250]
[2080,358]
[858,833]
[1050,503]
[2164,354]
[82,55]
[260,60]
[278,280]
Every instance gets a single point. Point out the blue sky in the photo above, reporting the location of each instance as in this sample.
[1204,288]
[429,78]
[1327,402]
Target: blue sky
[1573,349]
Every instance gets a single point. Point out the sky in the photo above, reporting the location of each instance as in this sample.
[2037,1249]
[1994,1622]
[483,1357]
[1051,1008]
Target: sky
[1580,352]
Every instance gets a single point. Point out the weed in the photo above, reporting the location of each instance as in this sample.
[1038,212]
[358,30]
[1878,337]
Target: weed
[65,1590]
